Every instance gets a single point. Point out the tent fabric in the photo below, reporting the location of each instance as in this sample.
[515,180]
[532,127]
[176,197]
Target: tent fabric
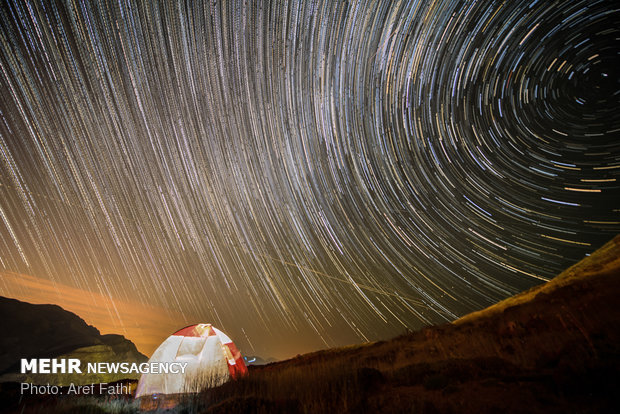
[212,359]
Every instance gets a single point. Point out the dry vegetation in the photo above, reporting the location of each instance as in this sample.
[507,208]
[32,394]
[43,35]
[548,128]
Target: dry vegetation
[555,348]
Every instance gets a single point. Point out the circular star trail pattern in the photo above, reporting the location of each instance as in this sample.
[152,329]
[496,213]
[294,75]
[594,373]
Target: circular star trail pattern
[307,173]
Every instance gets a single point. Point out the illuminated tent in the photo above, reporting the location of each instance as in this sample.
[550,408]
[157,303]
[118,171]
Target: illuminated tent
[212,359]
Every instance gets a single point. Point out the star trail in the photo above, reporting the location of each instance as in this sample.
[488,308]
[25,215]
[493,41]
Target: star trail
[307,174]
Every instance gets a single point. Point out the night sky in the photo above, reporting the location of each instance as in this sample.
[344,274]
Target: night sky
[304,174]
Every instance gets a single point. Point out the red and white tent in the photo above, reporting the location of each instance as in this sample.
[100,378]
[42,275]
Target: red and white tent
[211,356]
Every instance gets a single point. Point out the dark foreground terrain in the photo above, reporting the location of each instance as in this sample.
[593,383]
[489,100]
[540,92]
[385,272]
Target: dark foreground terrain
[552,349]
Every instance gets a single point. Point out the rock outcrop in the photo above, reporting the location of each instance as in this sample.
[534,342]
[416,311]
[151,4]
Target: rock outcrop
[48,331]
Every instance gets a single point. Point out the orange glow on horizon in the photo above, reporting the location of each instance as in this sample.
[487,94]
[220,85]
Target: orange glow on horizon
[146,326]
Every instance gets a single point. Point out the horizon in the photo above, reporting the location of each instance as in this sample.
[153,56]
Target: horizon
[147,346]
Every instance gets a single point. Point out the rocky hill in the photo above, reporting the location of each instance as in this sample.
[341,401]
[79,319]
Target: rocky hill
[48,331]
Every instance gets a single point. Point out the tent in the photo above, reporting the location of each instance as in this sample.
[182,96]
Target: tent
[211,356]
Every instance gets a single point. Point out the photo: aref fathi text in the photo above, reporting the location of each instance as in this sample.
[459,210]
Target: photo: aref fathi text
[73,389]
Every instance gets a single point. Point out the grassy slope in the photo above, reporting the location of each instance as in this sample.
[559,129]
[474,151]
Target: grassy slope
[605,261]
[554,348]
